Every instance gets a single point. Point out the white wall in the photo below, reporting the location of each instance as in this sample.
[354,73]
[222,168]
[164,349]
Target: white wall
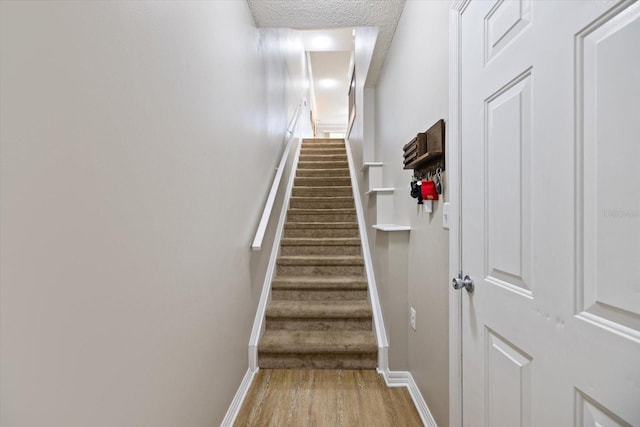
[133,171]
[285,73]
[286,76]
[411,95]
[361,133]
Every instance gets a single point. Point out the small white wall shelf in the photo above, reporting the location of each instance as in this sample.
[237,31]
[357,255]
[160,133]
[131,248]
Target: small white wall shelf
[379,190]
[391,227]
[373,174]
[368,165]
[383,197]
[384,209]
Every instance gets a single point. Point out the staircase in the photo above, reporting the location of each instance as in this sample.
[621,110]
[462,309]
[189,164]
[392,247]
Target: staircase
[319,315]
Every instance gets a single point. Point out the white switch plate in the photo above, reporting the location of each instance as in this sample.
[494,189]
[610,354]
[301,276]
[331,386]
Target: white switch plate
[412,318]
[445,215]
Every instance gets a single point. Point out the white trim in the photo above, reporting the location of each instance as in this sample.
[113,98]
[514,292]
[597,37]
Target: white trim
[454,167]
[378,321]
[379,190]
[405,379]
[258,321]
[350,127]
[238,399]
[459,5]
[352,67]
[368,165]
[391,227]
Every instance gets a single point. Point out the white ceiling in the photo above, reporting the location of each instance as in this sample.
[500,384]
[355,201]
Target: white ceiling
[324,14]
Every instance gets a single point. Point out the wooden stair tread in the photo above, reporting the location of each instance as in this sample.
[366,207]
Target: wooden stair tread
[321,198]
[320,260]
[324,156]
[320,309]
[319,282]
[285,341]
[325,187]
[323,162]
[312,225]
[323,181]
[320,241]
[338,164]
[320,211]
[324,150]
[323,172]
[326,169]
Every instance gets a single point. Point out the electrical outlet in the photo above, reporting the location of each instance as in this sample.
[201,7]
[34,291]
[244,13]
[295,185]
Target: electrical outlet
[412,318]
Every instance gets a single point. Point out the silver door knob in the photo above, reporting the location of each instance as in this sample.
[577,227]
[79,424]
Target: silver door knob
[459,283]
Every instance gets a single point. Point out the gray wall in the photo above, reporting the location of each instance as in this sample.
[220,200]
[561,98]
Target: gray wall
[127,133]
[410,96]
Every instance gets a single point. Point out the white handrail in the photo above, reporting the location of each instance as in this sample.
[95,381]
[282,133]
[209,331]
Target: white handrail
[268,207]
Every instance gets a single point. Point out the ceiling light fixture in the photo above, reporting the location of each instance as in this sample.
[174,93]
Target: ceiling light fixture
[321,42]
[327,83]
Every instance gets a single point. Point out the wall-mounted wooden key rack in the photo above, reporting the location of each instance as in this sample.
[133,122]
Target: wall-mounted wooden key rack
[425,153]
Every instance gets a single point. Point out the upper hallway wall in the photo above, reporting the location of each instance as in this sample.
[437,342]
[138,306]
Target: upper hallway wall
[127,132]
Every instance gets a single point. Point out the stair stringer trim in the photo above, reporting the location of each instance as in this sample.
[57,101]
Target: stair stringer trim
[378,321]
[258,323]
[405,379]
[238,399]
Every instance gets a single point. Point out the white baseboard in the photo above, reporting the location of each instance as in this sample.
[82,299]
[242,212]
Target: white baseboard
[405,379]
[238,399]
[378,321]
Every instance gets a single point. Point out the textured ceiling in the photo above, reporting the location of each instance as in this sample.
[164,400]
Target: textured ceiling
[318,14]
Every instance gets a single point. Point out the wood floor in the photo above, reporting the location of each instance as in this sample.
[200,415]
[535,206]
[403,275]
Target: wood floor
[289,397]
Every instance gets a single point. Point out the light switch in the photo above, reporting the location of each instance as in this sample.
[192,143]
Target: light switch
[445,215]
[412,318]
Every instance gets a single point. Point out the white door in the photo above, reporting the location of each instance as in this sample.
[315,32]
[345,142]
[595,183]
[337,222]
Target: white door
[550,207]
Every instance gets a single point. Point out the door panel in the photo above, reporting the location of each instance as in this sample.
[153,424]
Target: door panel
[550,212]
[508,379]
[503,23]
[610,178]
[508,186]
[589,413]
